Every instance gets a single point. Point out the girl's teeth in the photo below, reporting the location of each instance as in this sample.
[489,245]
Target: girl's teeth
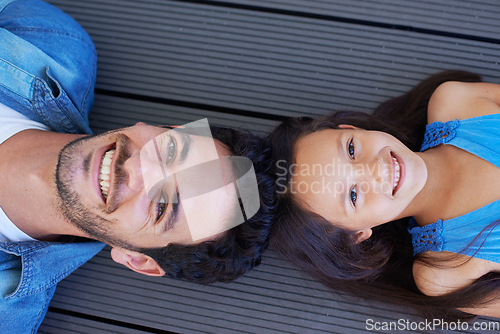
[397,169]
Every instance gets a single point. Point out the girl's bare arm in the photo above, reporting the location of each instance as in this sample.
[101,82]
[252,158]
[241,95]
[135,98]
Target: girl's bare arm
[461,100]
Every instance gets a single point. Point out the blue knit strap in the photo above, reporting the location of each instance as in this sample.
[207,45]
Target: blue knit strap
[426,238]
[438,133]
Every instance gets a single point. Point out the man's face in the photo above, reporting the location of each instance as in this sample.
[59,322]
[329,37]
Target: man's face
[102,185]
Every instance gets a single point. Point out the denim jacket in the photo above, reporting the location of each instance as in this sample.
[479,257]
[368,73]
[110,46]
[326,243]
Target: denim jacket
[47,72]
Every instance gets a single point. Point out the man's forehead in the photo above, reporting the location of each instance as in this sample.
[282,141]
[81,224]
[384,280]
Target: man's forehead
[213,212]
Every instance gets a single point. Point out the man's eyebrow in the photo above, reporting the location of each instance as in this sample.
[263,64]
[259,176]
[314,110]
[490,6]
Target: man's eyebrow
[174,213]
[186,142]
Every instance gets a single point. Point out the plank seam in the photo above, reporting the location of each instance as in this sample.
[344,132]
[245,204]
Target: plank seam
[327,17]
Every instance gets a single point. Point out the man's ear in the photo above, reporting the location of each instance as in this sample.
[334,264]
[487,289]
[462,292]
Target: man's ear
[348,127]
[137,262]
[362,235]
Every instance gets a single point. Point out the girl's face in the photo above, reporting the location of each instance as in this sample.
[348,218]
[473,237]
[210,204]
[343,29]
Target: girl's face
[356,179]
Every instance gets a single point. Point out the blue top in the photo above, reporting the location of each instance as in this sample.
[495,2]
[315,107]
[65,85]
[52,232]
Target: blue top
[474,233]
[47,72]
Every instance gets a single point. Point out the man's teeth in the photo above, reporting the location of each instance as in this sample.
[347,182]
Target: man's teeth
[397,172]
[104,172]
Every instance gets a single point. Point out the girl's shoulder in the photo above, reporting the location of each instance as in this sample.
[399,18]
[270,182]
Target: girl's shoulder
[462,100]
[445,272]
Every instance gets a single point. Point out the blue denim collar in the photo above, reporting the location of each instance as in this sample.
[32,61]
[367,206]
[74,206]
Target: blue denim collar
[44,264]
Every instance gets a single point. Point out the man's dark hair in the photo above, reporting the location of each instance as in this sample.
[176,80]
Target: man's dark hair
[239,249]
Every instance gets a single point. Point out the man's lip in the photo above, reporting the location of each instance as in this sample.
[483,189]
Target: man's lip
[97,168]
[401,172]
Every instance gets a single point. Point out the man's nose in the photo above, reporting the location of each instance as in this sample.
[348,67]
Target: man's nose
[150,172]
[144,169]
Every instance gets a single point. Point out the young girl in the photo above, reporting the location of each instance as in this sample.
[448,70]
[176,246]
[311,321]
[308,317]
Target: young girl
[348,183]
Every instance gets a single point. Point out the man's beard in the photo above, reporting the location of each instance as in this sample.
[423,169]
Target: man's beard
[70,203]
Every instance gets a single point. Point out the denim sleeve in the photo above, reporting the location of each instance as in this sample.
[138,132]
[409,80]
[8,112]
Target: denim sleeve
[19,315]
[47,65]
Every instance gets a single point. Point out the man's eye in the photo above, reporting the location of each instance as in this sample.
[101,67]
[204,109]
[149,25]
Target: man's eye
[160,207]
[353,195]
[171,150]
[350,149]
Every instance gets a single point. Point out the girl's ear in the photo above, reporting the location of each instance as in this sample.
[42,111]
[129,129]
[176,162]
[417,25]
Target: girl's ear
[362,235]
[348,127]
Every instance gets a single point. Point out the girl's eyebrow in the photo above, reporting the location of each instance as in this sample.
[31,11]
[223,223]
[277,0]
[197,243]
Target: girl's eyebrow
[343,197]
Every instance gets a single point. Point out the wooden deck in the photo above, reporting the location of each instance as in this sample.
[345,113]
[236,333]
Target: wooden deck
[249,64]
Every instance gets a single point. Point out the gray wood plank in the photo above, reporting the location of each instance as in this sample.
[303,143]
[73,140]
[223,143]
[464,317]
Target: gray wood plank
[56,323]
[255,304]
[475,18]
[263,62]
[189,55]
[111,112]
[266,300]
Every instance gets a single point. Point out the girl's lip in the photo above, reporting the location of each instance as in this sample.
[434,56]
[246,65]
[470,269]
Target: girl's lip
[97,168]
[401,172]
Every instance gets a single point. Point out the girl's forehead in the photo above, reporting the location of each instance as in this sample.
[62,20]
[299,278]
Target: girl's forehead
[314,145]
[321,136]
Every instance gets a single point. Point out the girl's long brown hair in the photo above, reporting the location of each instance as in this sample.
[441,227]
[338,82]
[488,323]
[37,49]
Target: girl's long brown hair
[380,267]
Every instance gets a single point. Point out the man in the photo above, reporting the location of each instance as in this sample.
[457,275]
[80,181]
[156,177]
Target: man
[62,188]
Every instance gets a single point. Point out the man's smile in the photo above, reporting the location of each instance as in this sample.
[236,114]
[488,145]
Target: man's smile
[101,171]
[104,172]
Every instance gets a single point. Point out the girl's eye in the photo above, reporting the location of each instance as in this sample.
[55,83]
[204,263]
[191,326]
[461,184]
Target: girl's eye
[350,149]
[160,207]
[171,150]
[353,195]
